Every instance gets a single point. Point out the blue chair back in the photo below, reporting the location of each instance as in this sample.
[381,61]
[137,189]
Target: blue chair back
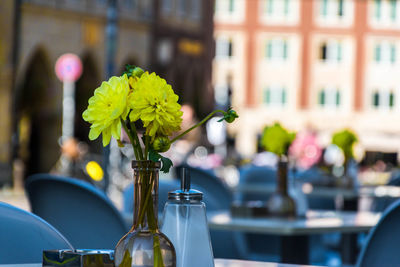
[164,186]
[381,203]
[80,211]
[256,175]
[24,236]
[380,248]
[317,177]
[211,185]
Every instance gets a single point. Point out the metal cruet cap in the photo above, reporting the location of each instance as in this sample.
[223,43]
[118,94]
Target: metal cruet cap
[185,193]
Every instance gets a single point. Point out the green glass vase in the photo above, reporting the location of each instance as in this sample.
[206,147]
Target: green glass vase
[144,244]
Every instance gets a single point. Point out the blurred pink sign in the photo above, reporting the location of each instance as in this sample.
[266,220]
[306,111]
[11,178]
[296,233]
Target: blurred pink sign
[68,68]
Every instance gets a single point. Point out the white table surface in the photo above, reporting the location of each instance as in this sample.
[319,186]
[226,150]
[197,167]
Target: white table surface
[218,263]
[329,192]
[316,222]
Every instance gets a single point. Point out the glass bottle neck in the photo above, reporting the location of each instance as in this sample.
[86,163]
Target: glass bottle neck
[282,176]
[145,213]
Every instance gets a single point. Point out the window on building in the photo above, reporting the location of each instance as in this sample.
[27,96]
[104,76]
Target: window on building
[195,9]
[375,99]
[275,96]
[378,9]
[385,11]
[393,9]
[331,51]
[332,8]
[385,52]
[340,8]
[166,7]
[130,3]
[221,94]
[383,99]
[231,6]
[277,7]
[278,10]
[329,97]
[276,49]
[224,48]
[182,8]
[226,6]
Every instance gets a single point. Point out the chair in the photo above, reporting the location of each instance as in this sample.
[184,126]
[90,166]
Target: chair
[381,203]
[256,175]
[380,249]
[80,211]
[24,236]
[317,177]
[210,183]
[164,186]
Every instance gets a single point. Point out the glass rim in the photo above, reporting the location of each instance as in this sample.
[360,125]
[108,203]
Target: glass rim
[145,164]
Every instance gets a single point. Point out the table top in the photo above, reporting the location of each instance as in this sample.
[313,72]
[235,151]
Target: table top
[315,222]
[328,192]
[218,263]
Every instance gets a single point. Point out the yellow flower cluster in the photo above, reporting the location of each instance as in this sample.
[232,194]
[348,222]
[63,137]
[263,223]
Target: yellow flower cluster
[106,108]
[148,98]
[155,103]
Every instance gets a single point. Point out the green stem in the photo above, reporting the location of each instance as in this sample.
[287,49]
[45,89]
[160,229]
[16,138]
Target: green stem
[140,152]
[157,255]
[153,226]
[130,138]
[146,146]
[145,204]
[197,125]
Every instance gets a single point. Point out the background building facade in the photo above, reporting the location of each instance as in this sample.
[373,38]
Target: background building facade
[172,37]
[320,64]
[183,49]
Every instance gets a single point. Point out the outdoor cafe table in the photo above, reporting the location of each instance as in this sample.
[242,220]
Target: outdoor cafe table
[295,232]
[218,263]
[328,192]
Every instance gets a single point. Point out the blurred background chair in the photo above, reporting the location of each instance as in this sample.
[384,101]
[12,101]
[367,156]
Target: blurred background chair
[381,203]
[164,186]
[256,175]
[325,247]
[380,248]
[316,177]
[24,236]
[259,246]
[80,211]
[210,183]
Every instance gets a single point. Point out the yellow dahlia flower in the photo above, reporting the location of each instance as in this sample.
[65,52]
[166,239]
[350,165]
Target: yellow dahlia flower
[154,102]
[106,107]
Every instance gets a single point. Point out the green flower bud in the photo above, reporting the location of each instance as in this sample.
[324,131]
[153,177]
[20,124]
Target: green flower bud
[229,116]
[161,144]
[137,72]
[133,71]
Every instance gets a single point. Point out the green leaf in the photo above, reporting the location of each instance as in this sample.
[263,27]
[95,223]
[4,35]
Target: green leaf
[166,162]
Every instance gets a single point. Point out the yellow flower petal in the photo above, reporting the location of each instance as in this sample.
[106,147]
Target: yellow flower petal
[106,107]
[155,103]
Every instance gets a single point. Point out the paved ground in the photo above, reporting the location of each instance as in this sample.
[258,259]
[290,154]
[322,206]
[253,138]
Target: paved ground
[14,197]
[17,197]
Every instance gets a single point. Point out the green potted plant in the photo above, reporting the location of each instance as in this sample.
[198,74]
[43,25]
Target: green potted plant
[345,140]
[277,140]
